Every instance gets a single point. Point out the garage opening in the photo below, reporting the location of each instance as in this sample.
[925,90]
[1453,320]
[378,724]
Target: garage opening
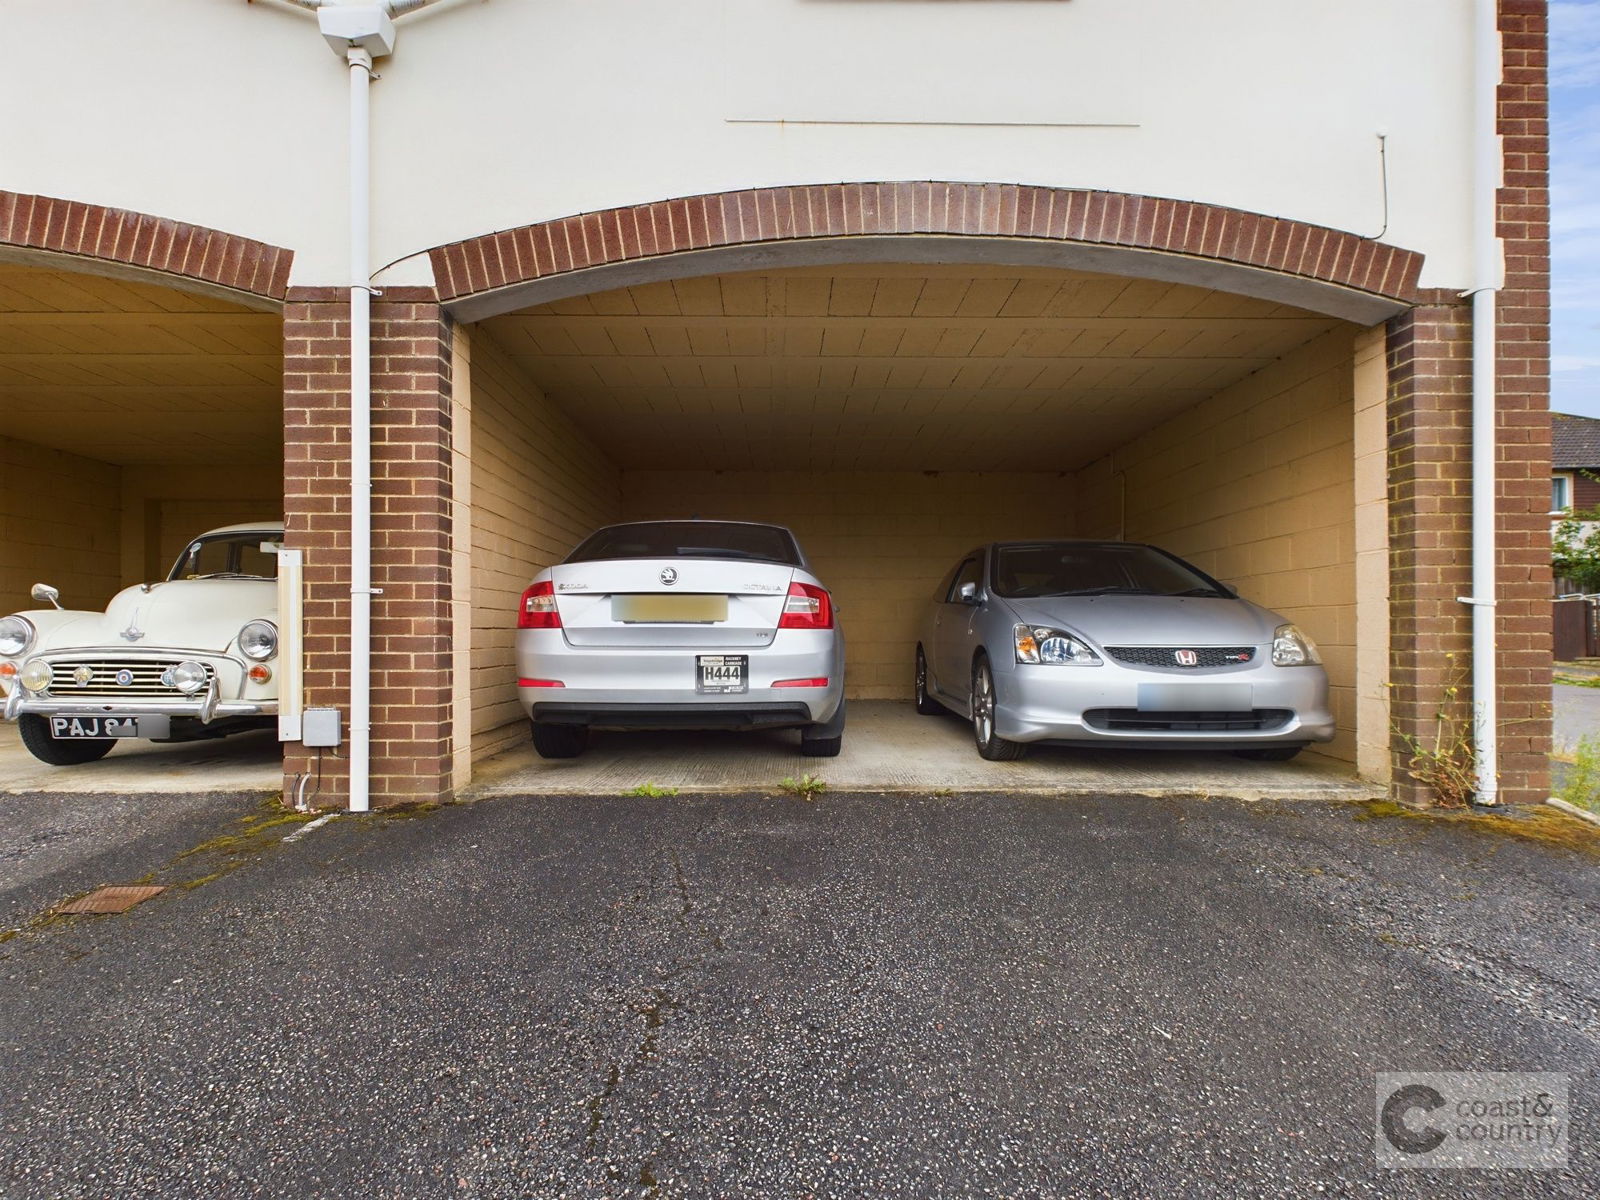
[133,417]
[894,416]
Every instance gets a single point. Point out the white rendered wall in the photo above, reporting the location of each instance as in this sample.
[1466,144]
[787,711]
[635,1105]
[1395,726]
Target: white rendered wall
[496,114]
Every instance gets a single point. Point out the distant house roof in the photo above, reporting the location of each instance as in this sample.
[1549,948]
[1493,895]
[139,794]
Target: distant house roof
[1574,442]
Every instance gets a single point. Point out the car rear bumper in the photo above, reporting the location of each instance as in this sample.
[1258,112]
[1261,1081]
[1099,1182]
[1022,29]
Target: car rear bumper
[721,715]
[652,687]
[1260,706]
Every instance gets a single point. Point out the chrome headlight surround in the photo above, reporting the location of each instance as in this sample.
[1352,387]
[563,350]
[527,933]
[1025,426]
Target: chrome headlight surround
[1293,647]
[258,640]
[1044,645]
[16,635]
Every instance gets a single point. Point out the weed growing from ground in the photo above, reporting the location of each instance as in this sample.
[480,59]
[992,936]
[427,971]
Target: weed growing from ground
[807,787]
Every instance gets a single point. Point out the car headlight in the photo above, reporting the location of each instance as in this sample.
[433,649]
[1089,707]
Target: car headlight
[36,676]
[16,635]
[1040,644]
[1292,647]
[188,677]
[258,640]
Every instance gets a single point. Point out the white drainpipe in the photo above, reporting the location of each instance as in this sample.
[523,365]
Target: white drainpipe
[1488,268]
[361,591]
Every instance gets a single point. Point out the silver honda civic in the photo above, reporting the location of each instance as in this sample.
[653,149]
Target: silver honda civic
[1114,643]
[681,625]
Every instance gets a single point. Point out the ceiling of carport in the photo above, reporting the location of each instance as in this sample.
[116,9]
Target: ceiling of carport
[137,374]
[891,367]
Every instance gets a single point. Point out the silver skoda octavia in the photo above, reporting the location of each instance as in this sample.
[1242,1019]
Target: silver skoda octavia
[681,625]
[1114,643]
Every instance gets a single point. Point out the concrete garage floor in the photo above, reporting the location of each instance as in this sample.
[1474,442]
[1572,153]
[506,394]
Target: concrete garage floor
[246,762]
[888,747]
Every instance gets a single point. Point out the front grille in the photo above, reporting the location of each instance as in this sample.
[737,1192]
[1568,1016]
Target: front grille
[102,685]
[1132,720]
[1166,656]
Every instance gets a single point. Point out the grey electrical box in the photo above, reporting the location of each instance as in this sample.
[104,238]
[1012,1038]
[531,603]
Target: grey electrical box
[319,727]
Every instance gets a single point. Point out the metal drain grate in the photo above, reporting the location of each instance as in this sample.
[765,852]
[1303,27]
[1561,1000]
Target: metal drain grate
[113,898]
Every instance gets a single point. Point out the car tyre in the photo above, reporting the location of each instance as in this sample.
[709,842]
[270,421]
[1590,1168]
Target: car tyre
[1269,753]
[926,704]
[825,740]
[559,741]
[990,744]
[36,737]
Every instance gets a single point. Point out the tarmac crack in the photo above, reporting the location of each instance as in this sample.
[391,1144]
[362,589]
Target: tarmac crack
[1530,988]
[655,1011]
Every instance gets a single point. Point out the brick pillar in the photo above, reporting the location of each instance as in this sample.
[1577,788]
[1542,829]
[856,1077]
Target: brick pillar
[1430,429]
[1430,523]
[1523,369]
[411,698]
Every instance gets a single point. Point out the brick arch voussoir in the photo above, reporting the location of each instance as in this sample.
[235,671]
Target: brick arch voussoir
[1111,219]
[117,241]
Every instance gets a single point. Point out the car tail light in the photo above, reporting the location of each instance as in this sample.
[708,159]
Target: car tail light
[538,608]
[540,683]
[817,681]
[807,607]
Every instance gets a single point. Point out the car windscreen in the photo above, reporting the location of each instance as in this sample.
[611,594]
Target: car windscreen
[691,539]
[1096,569]
[229,556]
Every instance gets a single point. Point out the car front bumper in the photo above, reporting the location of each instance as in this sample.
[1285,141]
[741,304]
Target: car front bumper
[1261,705]
[632,687]
[205,708]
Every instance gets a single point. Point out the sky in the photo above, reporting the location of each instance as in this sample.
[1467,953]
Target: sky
[1575,207]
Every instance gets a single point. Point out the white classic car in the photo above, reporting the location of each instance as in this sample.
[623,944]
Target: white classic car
[186,658]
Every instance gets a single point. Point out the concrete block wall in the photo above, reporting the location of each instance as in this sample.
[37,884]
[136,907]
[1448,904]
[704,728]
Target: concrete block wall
[881,541]
[538,486]
[60,523]
[1255,486]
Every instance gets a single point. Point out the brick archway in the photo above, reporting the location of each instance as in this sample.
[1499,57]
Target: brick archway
[117,242]
[1178,240]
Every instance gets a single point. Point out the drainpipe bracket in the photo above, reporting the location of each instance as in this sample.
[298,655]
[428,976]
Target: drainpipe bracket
[1473,600]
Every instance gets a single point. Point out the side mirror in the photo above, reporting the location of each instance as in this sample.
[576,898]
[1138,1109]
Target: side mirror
[968,593]
[45,594]
[1233,592]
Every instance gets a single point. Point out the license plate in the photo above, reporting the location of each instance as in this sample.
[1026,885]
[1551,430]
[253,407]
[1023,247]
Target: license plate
[68,728]
[1194,697]
[686,610]
[722,672]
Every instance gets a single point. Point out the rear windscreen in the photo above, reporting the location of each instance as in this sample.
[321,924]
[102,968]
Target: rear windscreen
[691,539]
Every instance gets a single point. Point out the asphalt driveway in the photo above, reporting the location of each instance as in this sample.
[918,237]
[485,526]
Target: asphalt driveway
[762,996]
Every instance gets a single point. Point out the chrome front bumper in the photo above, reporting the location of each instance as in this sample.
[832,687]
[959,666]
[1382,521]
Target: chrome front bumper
[205,708]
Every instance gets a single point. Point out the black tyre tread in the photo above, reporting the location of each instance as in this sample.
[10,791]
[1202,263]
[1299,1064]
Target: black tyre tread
[826,747]
[559,741]
[36,737]
[998,748]
[926,704]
